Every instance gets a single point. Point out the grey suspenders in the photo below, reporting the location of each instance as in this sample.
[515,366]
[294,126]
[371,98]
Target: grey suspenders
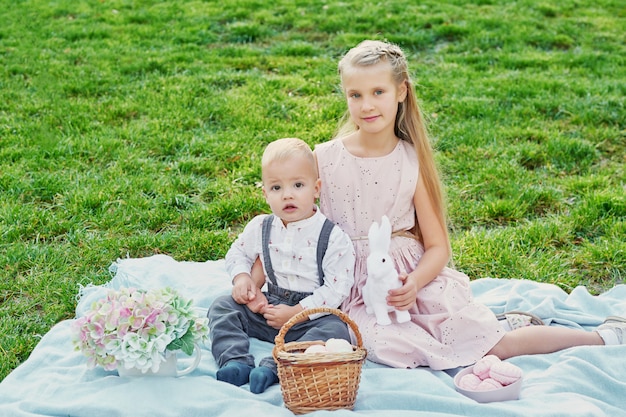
[322,245]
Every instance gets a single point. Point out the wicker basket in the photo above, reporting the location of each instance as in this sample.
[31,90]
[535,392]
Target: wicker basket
[318,381]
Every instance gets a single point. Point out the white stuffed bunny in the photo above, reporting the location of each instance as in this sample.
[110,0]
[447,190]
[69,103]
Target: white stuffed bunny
[381,275]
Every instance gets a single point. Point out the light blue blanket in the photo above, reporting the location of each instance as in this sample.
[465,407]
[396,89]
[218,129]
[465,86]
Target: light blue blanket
[583,381]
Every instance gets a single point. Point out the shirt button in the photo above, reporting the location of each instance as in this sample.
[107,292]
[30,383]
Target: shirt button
[286,263]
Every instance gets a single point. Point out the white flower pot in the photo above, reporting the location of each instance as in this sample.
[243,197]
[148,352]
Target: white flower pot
[169,367]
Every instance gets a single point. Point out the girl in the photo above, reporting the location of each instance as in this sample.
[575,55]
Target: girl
[381,163]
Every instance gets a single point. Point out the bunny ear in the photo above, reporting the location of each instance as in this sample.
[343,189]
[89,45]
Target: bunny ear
[385,226]
[385,233]
[372,235]
[380,237]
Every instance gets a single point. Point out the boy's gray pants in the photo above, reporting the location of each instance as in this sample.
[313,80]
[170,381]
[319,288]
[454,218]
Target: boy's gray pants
[231,326]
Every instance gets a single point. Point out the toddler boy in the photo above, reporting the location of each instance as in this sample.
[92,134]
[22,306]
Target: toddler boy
[307,262]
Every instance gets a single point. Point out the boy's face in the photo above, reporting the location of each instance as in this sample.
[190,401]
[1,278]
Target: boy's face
[290,188]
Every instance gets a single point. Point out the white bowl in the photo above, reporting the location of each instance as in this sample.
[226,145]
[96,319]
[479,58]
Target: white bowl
[506,393]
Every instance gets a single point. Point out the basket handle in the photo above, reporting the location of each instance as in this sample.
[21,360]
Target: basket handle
[279,340]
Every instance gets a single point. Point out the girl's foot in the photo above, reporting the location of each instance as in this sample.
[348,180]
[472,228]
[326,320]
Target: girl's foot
[613,331]
[236,373]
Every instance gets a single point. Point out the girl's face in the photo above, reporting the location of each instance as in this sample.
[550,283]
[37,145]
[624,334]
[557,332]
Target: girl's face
[290,188]
[373,97]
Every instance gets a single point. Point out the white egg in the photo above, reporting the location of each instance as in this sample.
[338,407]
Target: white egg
[315,349]
[338,345]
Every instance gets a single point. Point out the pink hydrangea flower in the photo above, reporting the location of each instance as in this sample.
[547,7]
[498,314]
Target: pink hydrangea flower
[135,328]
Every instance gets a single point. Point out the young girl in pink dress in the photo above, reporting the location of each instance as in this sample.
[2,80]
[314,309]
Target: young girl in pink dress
[381,163]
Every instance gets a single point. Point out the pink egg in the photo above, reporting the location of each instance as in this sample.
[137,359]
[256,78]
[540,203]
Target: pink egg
[469,382]
[504,372]
[488,385]
[482,367]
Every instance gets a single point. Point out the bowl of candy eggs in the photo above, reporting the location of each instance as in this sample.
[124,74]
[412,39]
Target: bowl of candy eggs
[490,379]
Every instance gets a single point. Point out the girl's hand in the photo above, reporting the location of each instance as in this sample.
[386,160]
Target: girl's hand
[405,297]
[278,315]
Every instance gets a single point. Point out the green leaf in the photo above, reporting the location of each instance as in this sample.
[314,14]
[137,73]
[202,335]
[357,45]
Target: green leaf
[184,343]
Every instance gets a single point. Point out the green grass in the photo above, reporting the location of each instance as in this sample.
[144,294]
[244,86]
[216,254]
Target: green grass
[135,128]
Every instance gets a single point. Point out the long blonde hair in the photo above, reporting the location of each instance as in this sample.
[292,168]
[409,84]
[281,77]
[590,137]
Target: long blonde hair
[409,126]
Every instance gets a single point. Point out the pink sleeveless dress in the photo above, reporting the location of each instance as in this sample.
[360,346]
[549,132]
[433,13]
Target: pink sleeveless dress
[447,329]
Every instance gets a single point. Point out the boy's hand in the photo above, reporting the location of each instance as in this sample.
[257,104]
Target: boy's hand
[259,304]
[244,289]
[278,315]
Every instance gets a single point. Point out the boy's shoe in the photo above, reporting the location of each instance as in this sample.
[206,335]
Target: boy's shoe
[236,373]
[261,378]
[617,325]
[512,320]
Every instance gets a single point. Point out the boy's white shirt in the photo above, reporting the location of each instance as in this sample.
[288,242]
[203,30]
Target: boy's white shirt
[293,251]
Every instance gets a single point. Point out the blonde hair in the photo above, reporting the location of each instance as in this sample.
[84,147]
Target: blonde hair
[283,149]
[409,126]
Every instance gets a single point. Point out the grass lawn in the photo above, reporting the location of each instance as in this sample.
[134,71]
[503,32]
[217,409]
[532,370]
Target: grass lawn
[136,128]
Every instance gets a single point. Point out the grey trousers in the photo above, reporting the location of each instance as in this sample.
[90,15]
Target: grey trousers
[231,326]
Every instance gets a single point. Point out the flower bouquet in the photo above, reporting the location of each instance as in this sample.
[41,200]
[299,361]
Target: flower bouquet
[138,329]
